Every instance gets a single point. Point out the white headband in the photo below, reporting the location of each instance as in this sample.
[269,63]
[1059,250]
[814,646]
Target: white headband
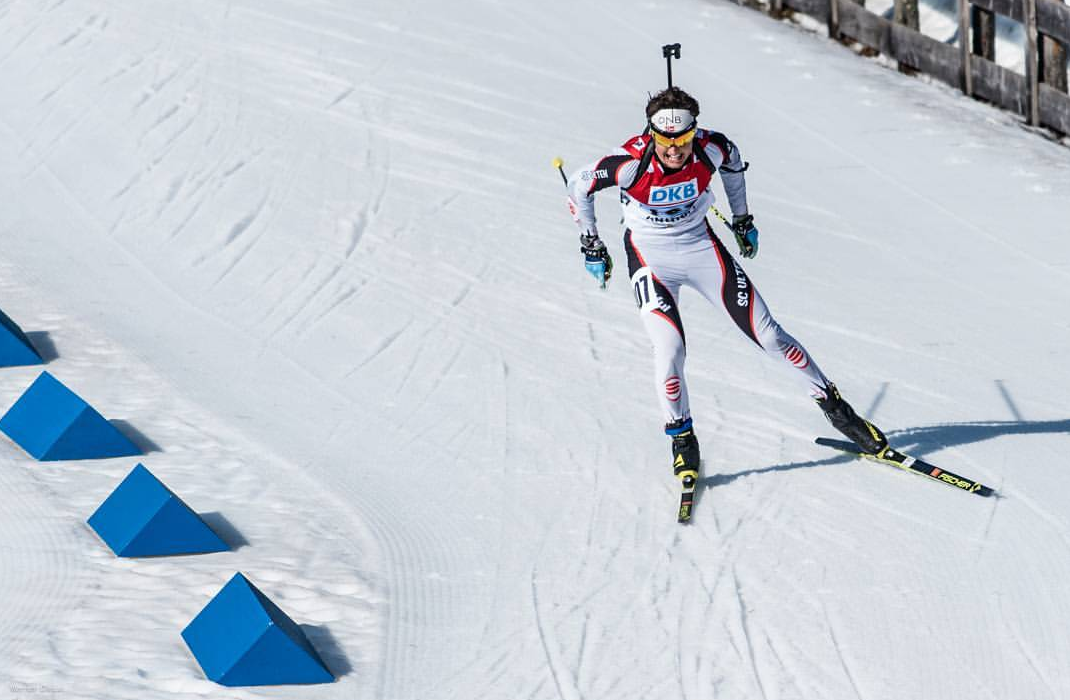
[672,121]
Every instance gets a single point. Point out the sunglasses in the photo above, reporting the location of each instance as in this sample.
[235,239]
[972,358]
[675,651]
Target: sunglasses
[678,140]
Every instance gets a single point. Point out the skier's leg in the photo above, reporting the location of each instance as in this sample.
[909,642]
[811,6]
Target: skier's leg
[780,345]
[656,298]
[721,278]
[747,308]
[655,281]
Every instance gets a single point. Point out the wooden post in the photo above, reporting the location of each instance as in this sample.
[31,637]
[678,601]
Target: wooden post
[1032,79]
[906,13]
[965,46]
[776,7]
[983,24]
[834,19]
[1052,63]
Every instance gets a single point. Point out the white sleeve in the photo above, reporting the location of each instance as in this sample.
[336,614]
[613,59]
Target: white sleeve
[724,154]
[618,169]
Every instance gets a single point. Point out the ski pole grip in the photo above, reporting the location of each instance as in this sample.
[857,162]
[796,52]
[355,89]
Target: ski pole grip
[560,165]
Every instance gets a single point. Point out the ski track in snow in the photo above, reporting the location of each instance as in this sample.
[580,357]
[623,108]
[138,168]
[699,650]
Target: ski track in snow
[438,442]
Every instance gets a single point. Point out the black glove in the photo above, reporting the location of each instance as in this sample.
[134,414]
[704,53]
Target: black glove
[746,234]
[596,258]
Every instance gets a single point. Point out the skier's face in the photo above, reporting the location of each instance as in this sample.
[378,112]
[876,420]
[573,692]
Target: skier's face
[674,157]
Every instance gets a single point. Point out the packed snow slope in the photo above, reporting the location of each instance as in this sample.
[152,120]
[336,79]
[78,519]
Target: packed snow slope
[314,255]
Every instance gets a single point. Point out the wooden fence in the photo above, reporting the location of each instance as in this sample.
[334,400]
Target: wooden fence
[1040,95]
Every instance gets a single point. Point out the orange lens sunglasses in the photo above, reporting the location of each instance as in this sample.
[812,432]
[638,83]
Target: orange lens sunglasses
[679,140]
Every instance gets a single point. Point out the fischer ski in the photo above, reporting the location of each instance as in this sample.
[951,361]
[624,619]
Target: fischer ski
[905,462]
[687,498]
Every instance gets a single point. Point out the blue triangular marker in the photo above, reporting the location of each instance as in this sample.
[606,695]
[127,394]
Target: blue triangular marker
[51,423]
[15,348]
[144,518]
[241,638]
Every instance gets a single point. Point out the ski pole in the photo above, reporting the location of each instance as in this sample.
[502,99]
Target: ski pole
[715,210]
[560,165]
[740,238]
[670,51]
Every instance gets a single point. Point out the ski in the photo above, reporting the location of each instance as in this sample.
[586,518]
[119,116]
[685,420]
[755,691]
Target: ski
[905,462]
[687,498]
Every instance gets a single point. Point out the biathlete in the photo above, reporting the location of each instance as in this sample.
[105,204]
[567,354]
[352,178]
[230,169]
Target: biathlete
[664,176]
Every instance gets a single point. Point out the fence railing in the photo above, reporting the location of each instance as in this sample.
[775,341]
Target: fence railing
[1040,95]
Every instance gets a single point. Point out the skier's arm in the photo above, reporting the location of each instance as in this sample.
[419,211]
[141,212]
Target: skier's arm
[725,155]
[615,170]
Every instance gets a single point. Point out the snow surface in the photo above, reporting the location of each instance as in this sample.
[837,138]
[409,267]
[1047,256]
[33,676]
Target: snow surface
[313,254]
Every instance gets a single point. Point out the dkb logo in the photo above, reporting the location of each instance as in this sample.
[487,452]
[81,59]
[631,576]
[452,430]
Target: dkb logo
[673,194]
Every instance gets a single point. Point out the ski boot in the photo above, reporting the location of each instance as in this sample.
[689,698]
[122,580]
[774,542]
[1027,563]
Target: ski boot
[685,455]
[858,430]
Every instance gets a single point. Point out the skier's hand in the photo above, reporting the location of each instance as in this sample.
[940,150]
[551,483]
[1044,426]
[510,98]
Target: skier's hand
[596,258]
[746,234]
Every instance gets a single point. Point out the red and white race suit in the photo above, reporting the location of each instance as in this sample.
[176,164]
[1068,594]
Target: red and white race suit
[669,243]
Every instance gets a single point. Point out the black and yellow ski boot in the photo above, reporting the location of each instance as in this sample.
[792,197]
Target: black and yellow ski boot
[685,454]
[858,430]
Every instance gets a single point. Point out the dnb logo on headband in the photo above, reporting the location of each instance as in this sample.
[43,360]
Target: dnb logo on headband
[674,194]
[672,121]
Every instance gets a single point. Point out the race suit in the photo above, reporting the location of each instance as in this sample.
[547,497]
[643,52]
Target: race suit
[669,243]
